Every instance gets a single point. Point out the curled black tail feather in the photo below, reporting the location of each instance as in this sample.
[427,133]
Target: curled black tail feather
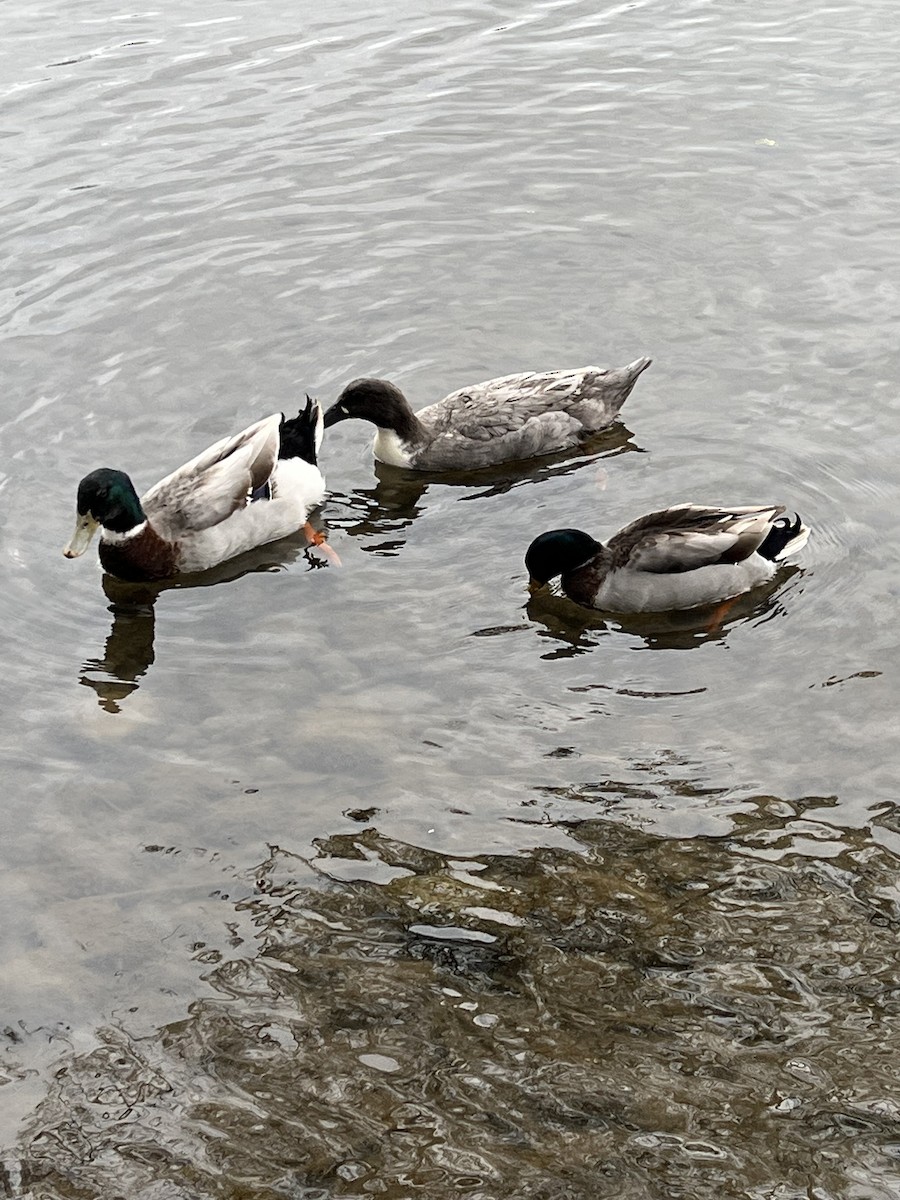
[298,435]
[783,530]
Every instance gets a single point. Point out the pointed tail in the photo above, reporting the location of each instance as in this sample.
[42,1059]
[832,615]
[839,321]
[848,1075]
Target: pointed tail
[618,383]
[301,436]
[635,368]
[786,536]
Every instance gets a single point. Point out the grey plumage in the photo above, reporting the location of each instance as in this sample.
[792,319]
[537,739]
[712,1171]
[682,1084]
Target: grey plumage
[206,511]
[513,417]
[678,557]
[218,482]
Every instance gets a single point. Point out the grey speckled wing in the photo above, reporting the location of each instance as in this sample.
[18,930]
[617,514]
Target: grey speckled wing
[686,537]
[593,395]
[500,441]
[523,415]
[215,484]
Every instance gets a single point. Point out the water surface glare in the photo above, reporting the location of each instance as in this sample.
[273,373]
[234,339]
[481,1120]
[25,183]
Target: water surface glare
[392,879]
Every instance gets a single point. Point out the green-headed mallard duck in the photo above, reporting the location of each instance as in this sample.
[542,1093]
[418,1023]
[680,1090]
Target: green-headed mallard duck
[244,491]
[514,417]
[680,557]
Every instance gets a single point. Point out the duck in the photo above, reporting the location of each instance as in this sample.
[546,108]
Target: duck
[680,557]
[513,417]
[241,492]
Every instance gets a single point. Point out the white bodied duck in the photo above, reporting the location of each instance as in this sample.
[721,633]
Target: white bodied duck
[514,417]
[244,491]
[680,557]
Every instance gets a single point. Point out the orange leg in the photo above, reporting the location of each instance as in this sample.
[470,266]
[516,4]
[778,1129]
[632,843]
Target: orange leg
[720,612]
[316,538]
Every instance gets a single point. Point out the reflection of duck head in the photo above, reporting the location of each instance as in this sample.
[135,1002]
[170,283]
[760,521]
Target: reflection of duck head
[576,629]
[129,650]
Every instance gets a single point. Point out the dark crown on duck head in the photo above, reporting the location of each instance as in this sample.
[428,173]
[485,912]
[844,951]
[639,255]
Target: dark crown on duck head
[109,497]
[558,552]
[375,400]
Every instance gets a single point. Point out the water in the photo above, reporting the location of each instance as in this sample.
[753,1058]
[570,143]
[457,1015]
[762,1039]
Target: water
[357,882]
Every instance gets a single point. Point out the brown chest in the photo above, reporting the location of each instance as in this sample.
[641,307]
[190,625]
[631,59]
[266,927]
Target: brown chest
[581,584]
[142,557]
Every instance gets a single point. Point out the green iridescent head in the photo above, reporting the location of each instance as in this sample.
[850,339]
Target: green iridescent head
[558,552]
[105,497]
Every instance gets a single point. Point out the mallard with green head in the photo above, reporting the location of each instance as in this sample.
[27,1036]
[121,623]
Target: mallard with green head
[244,491]
[680,557]
[501,420]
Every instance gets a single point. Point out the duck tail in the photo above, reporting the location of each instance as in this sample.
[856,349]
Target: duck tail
[785,537]
[301,436]
[619,382]
[637,367]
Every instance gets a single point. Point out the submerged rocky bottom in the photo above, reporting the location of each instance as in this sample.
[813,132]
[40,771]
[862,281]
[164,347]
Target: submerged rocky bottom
[632,1017]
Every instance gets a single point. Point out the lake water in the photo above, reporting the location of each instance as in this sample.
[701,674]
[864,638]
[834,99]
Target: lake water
[389,880]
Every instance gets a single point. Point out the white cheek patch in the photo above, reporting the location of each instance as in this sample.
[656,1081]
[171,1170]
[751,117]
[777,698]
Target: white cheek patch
[389,449]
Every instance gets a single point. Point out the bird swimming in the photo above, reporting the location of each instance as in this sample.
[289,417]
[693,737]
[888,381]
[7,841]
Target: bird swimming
[243,491]
[679,557]
[501,420]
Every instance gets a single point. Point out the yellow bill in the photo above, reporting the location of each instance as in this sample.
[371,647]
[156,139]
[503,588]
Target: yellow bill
[85,528]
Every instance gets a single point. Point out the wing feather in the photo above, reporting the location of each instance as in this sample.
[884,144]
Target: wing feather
[208,489]
[501,406]
[548,431]
[687,537]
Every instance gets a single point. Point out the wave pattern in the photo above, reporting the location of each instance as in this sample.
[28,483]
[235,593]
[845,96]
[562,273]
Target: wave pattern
[209,212]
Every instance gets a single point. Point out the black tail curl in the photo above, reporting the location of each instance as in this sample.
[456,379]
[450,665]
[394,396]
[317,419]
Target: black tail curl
[783,531]
[298,435]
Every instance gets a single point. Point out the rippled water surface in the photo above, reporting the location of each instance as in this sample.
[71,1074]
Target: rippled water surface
[391,880]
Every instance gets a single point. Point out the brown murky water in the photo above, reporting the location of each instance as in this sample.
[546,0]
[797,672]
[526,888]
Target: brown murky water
[392,880]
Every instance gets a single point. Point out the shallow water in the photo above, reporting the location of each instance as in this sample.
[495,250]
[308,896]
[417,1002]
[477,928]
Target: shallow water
[280,843]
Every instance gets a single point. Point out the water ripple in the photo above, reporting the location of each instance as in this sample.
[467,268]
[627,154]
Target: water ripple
[210,212]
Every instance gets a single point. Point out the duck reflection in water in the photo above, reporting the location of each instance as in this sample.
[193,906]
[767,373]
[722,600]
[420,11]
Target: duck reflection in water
[577,630]
[380,514]
[129,651]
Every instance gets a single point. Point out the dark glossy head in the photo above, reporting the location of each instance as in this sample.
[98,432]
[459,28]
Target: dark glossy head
[558,552]
[109,497]
[374,400]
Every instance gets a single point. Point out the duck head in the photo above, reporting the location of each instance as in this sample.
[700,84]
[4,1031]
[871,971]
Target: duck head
[105,497]
[374,400]
[557,553]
